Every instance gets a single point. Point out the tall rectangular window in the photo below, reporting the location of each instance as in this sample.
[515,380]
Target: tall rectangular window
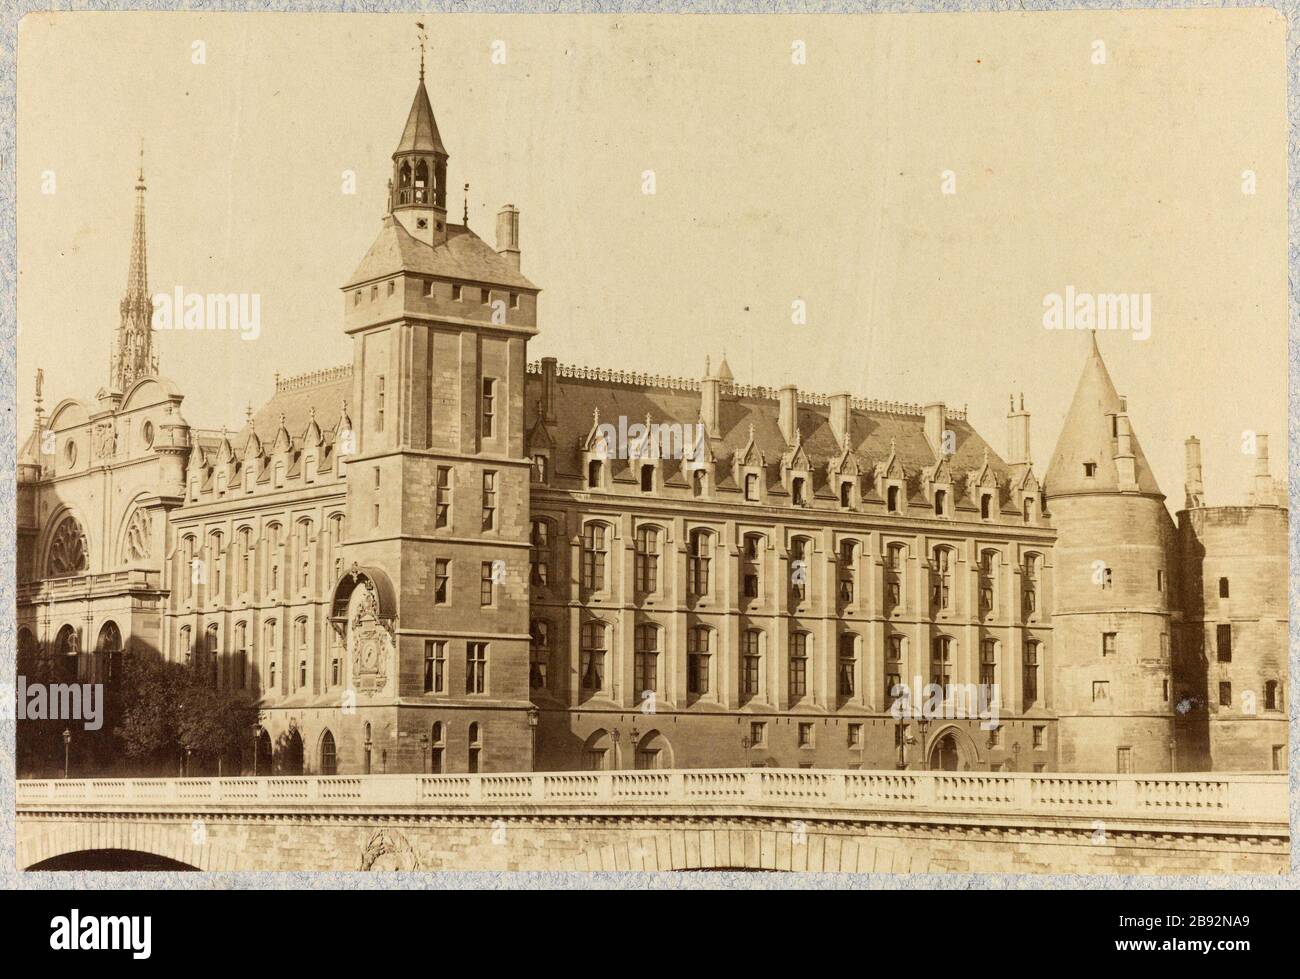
[489,405]
[441,581]
[442,498]
[594,553]
[750,662]
[848,665]
[476,654]
[941,664]
[646,666]
[485,584]
[988,667]
[1029,674]
[798,665]
[592,656]
[1225,694]
[647,560]
[489,500]
[435,666]
[379,403]
[539,554]
[1108,643]
[697,660]
[1223,642]
[893,669]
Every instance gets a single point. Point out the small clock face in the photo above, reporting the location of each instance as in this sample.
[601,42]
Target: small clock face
[369,653]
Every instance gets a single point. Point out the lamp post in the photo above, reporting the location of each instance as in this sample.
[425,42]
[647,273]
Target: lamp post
[534,716]
[67,741]
[922,726]
[424,753]
[1015,754]
[1173,754]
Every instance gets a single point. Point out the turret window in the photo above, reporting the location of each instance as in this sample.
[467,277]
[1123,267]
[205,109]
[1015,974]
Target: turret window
[1271,700]
[456,292]
[1223,587]
[1089,470]
[489,407]
[1223,642]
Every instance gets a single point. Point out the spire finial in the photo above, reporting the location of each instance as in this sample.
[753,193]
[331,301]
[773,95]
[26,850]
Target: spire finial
[465,217]
[140,178]
[248,413]
[424,37]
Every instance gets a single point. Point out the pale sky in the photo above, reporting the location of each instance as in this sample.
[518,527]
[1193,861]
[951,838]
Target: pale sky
[774,182]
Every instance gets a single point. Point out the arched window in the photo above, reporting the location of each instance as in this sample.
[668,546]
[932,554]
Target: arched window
[108,650]
[1029,680]
[986,578]
[186,646]
[752,566]
[216,558]
[848,571]
[647,559]
[539,553]
[269,645]
[699,557]
[895,647]
[751,662]
[273,557]
[988,669]
[67,648]
[67,554]
[646,666]
[301,649]
[592,656]
[1029,584]
[304,554]
[895,559]
[595,552]
[437,744]
[243,560]
[941,664]
[848,664]
[239,668]
[799,570]
[191,568]
[539,653]
[799,643]
[475,747]
[328,757]
[337,532]
[211,654]
[699,649]
[941,593]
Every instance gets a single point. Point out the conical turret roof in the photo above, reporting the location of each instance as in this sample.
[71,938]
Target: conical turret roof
[1088,437]
[421,132]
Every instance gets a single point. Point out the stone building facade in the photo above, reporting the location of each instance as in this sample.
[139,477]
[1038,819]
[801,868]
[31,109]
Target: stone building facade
[446,557]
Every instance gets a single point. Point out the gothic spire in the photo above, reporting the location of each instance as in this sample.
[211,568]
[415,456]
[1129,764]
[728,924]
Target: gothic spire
[133,354]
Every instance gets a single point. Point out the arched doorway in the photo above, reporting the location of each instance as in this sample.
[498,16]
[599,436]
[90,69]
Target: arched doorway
[653,751]
[597,755]
[291,756]
[944,754]
[67,647]
[262,761]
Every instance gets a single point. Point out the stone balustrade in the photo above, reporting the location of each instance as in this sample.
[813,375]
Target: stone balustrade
[1219,798]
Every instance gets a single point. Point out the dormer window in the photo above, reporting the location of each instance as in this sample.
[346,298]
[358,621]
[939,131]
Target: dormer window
[698,482]
[891,498]
[846,495]
[985,506]
[797,491]
[751,487]
[647,478]
[593,474]
[940,502]
[1089,470]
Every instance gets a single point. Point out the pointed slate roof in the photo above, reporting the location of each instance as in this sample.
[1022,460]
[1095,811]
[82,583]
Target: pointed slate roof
[421,132]
[1086,437]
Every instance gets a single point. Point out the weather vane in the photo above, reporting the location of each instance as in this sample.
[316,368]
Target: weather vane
[424,38]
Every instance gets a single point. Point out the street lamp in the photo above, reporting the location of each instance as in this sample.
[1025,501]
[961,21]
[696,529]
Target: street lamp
[67,741]
[922,726]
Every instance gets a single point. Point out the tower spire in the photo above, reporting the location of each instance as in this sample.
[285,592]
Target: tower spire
[133,355]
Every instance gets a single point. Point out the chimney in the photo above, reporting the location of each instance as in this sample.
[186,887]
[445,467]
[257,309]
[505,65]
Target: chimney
[1265,494]
[548,390]
[1195,488]
[840,415]
[1125,461]
[508,234]
[1018,434]
[710,391]
[789,399]
[935,426]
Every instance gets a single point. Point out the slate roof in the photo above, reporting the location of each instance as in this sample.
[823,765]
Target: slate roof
[464,255]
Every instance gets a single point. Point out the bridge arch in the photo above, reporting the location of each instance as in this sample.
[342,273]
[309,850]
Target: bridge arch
[179,843]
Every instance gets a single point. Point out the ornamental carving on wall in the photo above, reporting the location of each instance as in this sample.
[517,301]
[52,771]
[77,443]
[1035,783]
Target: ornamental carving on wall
[68,550]
[389,850]
[139,537]
[371,640]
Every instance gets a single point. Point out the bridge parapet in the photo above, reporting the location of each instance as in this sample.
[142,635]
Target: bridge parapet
[1219,798]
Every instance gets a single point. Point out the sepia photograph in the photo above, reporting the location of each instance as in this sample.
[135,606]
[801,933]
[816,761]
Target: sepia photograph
[600,446]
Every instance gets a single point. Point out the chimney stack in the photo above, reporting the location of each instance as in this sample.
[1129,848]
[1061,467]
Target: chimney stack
[935,425]
[789,400]
[548,390]
[840,416]
[1265,489]
[710,397]
[1195,487]
[508,234]
[1018,434]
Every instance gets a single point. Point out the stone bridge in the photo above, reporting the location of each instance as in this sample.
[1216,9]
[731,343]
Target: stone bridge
[752,819]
